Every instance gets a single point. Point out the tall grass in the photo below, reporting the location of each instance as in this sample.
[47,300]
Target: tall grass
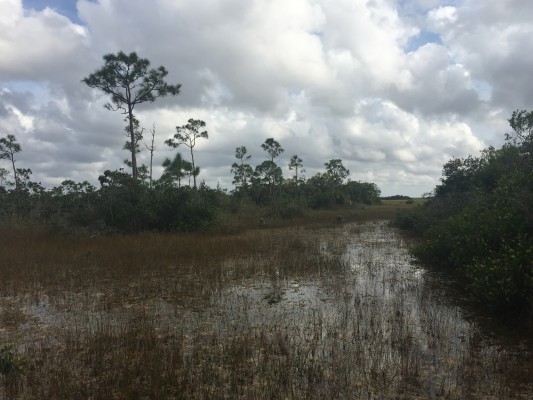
[336,312]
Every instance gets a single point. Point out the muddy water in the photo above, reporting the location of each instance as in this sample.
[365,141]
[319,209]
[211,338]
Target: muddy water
[351,317]
[390,317]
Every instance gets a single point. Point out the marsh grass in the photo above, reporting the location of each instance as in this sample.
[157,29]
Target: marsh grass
[165,316]
[251,217]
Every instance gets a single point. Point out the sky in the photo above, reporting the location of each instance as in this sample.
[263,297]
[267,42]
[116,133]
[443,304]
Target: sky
[393,88]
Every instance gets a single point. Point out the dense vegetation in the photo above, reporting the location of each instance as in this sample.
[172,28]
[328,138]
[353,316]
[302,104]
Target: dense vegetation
[396,197]
[137,202]
[479,222]
[124,203]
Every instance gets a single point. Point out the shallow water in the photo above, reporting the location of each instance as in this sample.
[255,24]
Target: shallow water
[384,310]
[353,316]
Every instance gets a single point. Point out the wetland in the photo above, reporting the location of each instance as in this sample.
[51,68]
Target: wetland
[338,311]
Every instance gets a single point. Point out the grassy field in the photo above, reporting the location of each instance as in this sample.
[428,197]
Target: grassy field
[388,209]
[314,310]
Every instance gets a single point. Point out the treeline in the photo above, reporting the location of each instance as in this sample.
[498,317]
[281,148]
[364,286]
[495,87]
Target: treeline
[172,202]
[397,197]
[138,202]
[479,222]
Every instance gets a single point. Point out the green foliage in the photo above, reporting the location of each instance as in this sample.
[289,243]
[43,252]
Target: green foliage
[123,72]
[176,169]
[187,135]
[296,165]
[70,206]
[184,209]
[397,197]
[336,171]
[504,277]
[8,148]
[137,137]
[126,203]
[287,208]
[289,198]
[273,148]
[10,363]
[479,222]
[362,192]
[242,172]
[522,124]
[129,81]
[268,173]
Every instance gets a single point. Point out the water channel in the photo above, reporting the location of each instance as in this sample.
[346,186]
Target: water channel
[386,322]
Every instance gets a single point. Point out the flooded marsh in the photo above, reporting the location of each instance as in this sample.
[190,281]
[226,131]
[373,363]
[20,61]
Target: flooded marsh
[340,312]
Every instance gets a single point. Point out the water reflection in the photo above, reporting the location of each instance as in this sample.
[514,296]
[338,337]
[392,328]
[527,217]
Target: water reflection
[380,309]
[343,312]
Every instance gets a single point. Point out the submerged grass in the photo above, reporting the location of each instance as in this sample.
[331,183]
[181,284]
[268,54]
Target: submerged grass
[300,312]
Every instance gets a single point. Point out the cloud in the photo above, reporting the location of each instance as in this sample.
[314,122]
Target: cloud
[392,88]
[492,40]
[39,46]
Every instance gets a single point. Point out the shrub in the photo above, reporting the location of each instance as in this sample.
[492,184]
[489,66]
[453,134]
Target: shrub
[504,278]
[480,222]
[10,363]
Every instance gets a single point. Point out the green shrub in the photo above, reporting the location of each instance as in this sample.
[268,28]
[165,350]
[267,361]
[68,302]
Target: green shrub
[286,209]
[480,222]
[10,363]
[504,278]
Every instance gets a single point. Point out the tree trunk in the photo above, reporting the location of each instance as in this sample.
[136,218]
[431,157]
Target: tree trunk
[193,168]
[151,161]
[15,172]
[133,143]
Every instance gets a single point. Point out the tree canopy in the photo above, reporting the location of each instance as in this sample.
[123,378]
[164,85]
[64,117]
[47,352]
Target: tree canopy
[129,81]
[187,135]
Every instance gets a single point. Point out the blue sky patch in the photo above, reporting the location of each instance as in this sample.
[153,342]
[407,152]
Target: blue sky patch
[421,39]
[63,7]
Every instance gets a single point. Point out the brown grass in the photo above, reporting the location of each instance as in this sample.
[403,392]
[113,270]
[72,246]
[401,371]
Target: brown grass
[294,312]
[249,217]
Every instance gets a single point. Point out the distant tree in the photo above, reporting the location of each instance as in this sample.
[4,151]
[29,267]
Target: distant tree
[336,171]
[3,174]
[176,168]
[117,178]
[521,122]
[320,191]
[296,164]
[269,174]
[364,192]
[8,148]
[72,204]
[70,187]
[242,172]
[151,148]
[273,148]
[187,135]
[25,182]
[129,81]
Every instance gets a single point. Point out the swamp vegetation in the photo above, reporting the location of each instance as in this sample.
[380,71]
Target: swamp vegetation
[317,310]
[478,224]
